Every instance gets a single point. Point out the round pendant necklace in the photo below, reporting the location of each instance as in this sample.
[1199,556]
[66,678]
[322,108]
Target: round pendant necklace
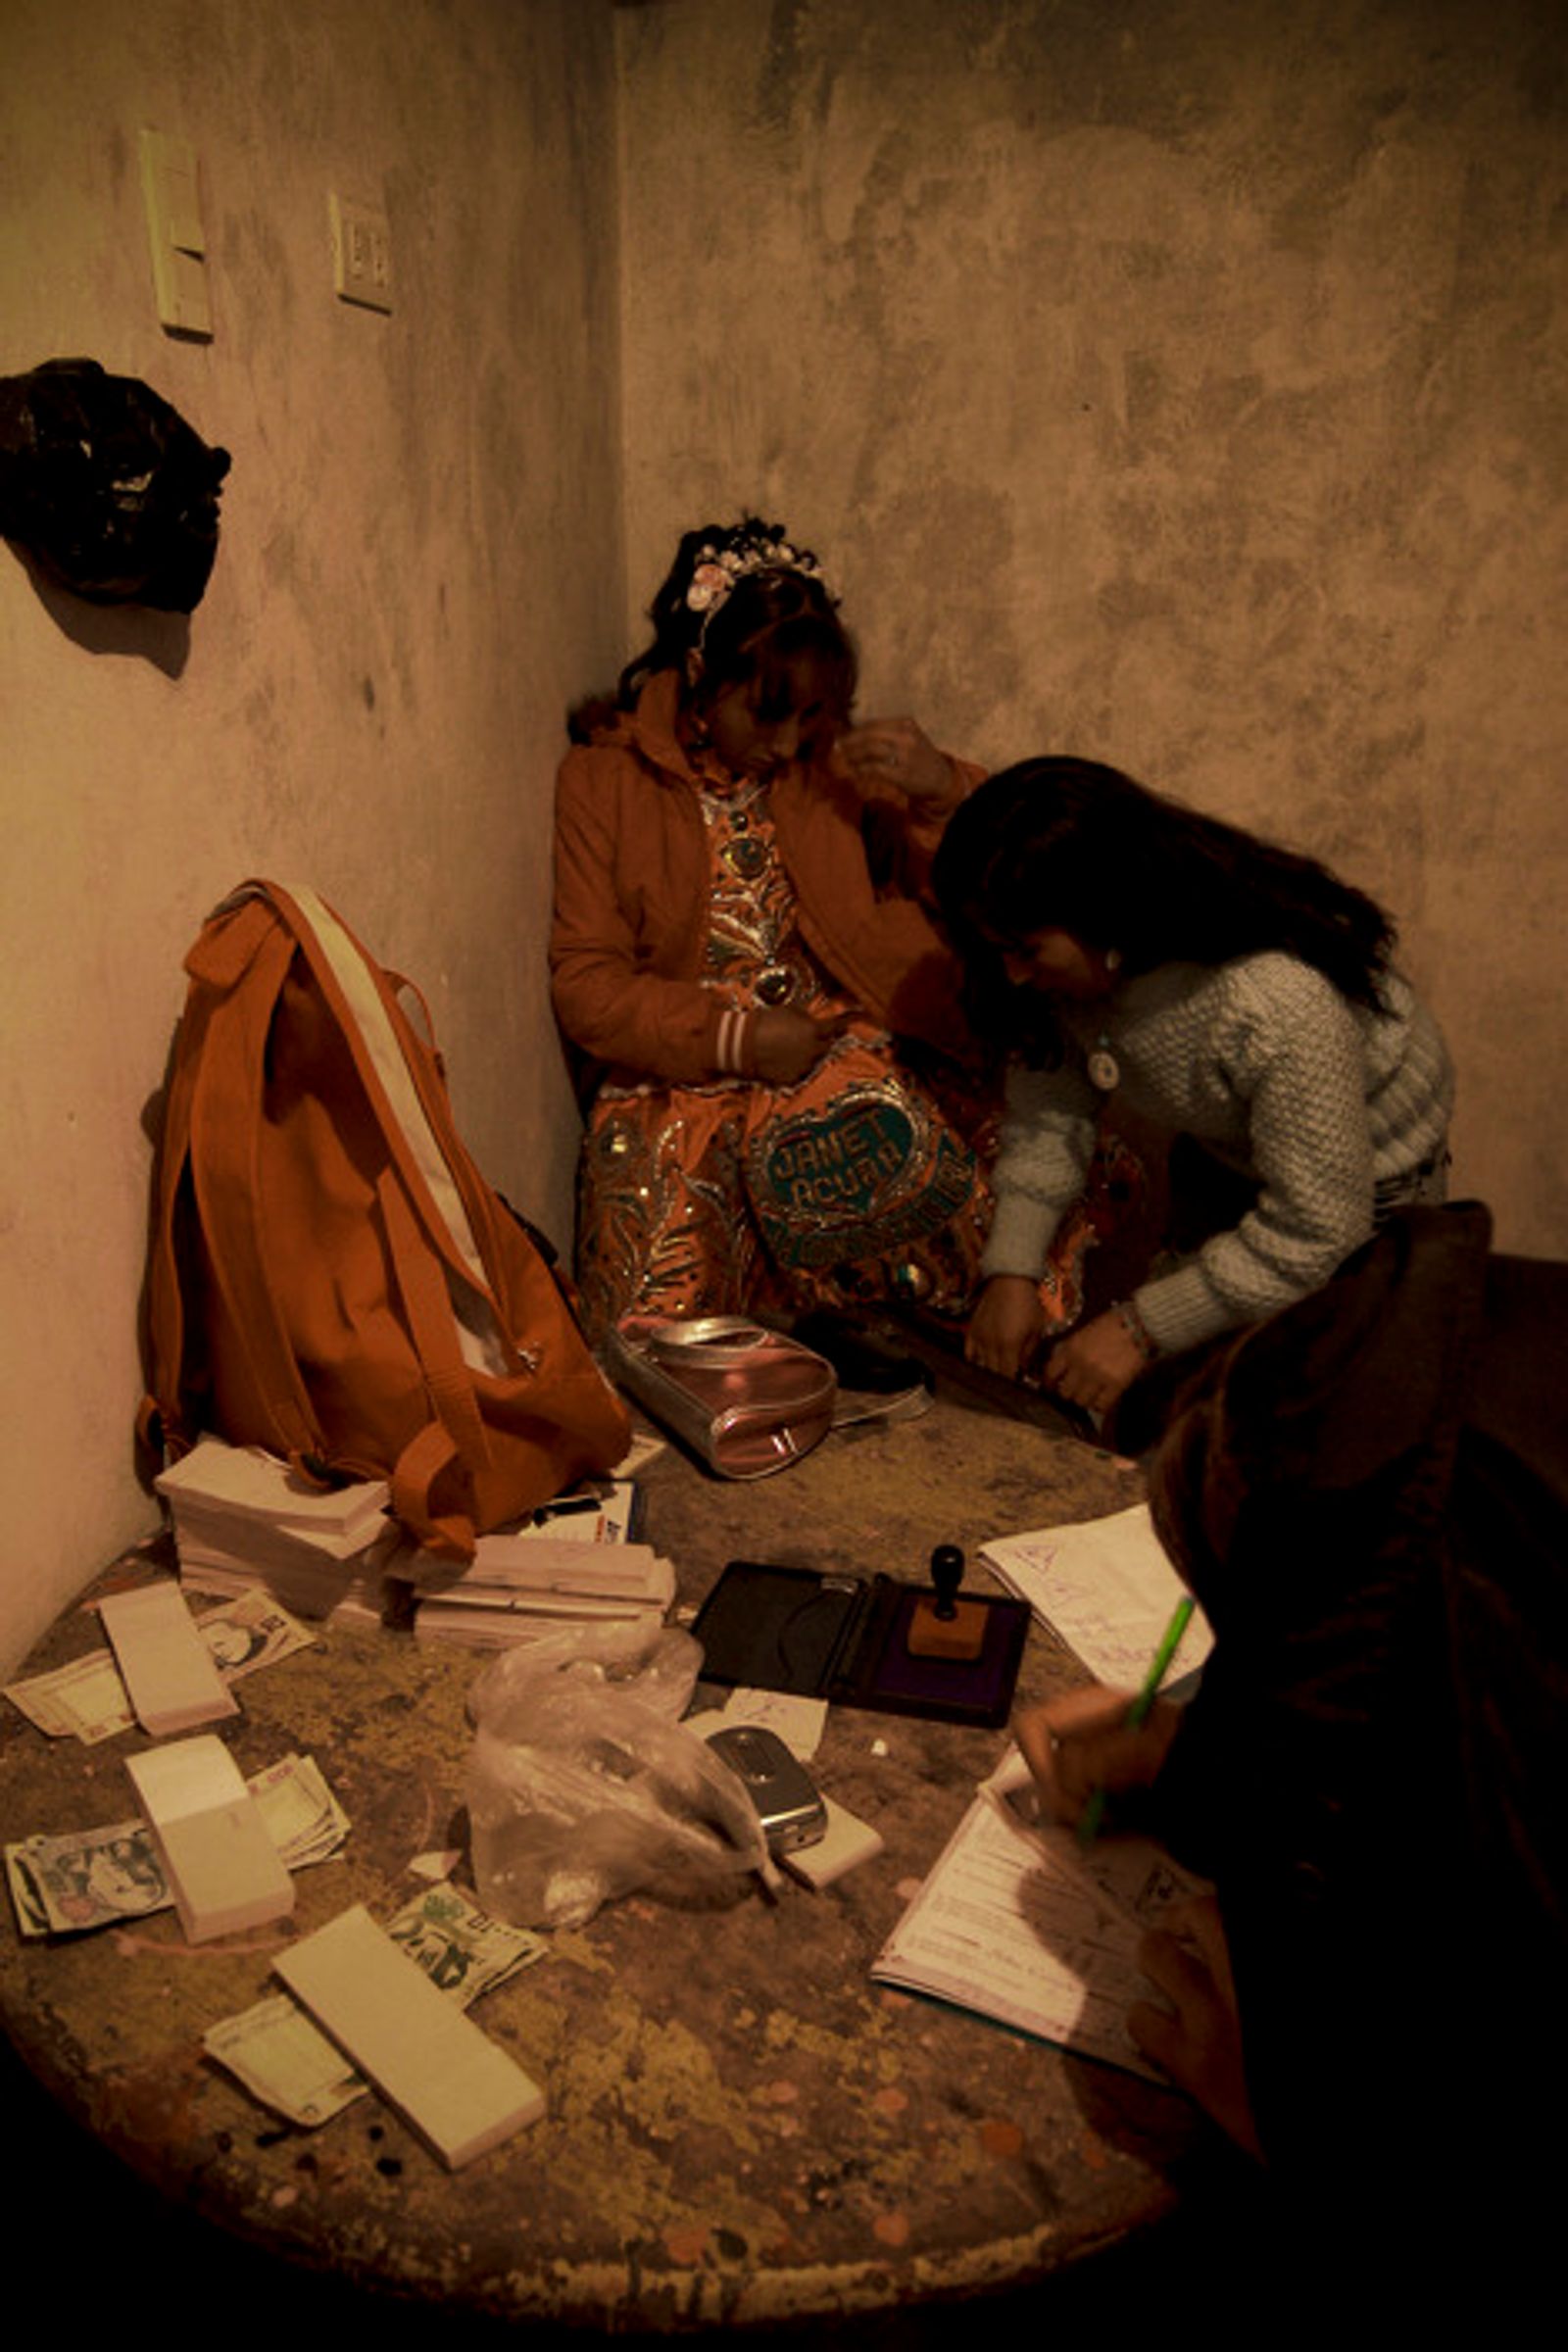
[1104,1071]
[775,984]
[746,855]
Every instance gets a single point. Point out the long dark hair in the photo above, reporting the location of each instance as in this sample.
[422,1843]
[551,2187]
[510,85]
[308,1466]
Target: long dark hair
[1070,845]
[777,621]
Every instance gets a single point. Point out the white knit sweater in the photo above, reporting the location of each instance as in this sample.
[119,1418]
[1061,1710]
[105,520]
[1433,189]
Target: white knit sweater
[1267,1065]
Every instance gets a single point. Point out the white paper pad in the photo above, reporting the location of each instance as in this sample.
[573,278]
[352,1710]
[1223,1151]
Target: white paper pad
[1108,1590]
[1024,1926]
[459,2090]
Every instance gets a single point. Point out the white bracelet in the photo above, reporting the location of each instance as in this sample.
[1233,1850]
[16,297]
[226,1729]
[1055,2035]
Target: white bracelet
[730,1044]
[1132,1323]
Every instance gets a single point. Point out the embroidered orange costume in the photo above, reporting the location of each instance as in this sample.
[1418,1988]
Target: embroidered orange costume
[683,899]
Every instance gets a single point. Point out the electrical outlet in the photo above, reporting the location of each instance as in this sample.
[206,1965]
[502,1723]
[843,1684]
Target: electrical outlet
[362,253]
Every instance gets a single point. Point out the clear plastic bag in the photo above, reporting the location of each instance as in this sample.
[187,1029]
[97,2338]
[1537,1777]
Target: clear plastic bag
[584,1783]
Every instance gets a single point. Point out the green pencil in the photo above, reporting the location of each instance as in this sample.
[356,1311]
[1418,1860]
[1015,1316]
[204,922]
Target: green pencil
[1094,1811]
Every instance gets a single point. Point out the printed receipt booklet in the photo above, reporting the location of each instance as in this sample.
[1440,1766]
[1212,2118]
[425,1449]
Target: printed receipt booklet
[1023,1926]
[1019,1922]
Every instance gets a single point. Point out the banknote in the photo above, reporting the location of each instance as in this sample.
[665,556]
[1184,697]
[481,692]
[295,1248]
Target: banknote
[250,1632]
[66,1884]
[304,1819]
[86,1701]
[285,2060]
[282,2058]
[62,1885]
[460,1948]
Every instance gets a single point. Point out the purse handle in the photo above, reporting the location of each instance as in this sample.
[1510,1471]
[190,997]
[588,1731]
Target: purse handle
[713,1341]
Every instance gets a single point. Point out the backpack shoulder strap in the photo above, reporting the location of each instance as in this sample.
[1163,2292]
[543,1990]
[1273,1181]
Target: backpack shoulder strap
[404,1089]
[240,963]
[442,1269]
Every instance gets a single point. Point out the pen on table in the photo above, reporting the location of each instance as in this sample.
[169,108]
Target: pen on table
[568,1505]
[1094,1812]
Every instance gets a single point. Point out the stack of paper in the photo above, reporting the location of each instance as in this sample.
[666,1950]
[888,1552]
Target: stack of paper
[571,1559]
[222,1868]
[1023,1923]
[1107,1586]
[242,1517]
[460,2090]
[170,1674]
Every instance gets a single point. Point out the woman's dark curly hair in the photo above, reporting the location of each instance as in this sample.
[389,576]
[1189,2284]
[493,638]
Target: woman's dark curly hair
[1070,845]
[776,622]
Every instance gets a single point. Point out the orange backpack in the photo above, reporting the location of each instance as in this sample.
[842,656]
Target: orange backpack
[328,1275]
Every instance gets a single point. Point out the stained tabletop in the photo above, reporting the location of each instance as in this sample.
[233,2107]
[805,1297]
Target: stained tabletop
[742,2126]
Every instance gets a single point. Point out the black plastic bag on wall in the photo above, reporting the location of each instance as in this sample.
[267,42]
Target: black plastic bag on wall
[106,487]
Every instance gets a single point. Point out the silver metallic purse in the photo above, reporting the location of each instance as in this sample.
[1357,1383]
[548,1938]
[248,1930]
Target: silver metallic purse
[745,1399]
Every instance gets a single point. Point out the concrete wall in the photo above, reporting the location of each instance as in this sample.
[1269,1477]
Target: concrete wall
[1181,384]
[419,562]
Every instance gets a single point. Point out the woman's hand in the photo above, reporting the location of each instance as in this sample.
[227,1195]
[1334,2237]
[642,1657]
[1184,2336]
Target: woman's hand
[1198,2037]
[899,752]
[786,1046]
[1076,1745]
[1006,1328]
[1096,1363]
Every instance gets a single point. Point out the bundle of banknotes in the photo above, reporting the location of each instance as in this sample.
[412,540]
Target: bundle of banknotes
[64,1884]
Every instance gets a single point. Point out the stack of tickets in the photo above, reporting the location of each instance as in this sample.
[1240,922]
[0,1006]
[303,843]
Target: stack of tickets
[570,1560]
[242,1517]
[89,1700]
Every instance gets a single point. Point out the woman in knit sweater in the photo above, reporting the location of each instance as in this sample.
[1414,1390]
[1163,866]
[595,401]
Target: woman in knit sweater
[1225,990]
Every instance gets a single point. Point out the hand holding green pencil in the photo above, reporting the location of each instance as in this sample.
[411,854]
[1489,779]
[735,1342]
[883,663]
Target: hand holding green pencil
[1097,1733]
[1094,1813]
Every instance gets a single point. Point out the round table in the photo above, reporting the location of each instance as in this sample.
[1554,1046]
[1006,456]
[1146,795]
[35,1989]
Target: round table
[742,2126]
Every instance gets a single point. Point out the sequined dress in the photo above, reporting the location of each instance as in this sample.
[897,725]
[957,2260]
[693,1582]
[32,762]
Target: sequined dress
[862,1181]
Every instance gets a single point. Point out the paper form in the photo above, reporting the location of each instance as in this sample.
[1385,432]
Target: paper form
[1023,1927]
[1107,1588]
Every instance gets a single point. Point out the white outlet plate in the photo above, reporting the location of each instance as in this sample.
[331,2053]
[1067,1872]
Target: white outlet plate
[170,185]
[362,253]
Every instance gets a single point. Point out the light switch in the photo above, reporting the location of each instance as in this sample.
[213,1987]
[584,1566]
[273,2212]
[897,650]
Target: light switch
[171,192]
[362,253]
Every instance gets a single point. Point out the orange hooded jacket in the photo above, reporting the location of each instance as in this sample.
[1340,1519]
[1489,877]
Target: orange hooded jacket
[632,894]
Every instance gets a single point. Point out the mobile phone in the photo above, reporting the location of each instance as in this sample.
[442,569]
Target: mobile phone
[787,1800]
